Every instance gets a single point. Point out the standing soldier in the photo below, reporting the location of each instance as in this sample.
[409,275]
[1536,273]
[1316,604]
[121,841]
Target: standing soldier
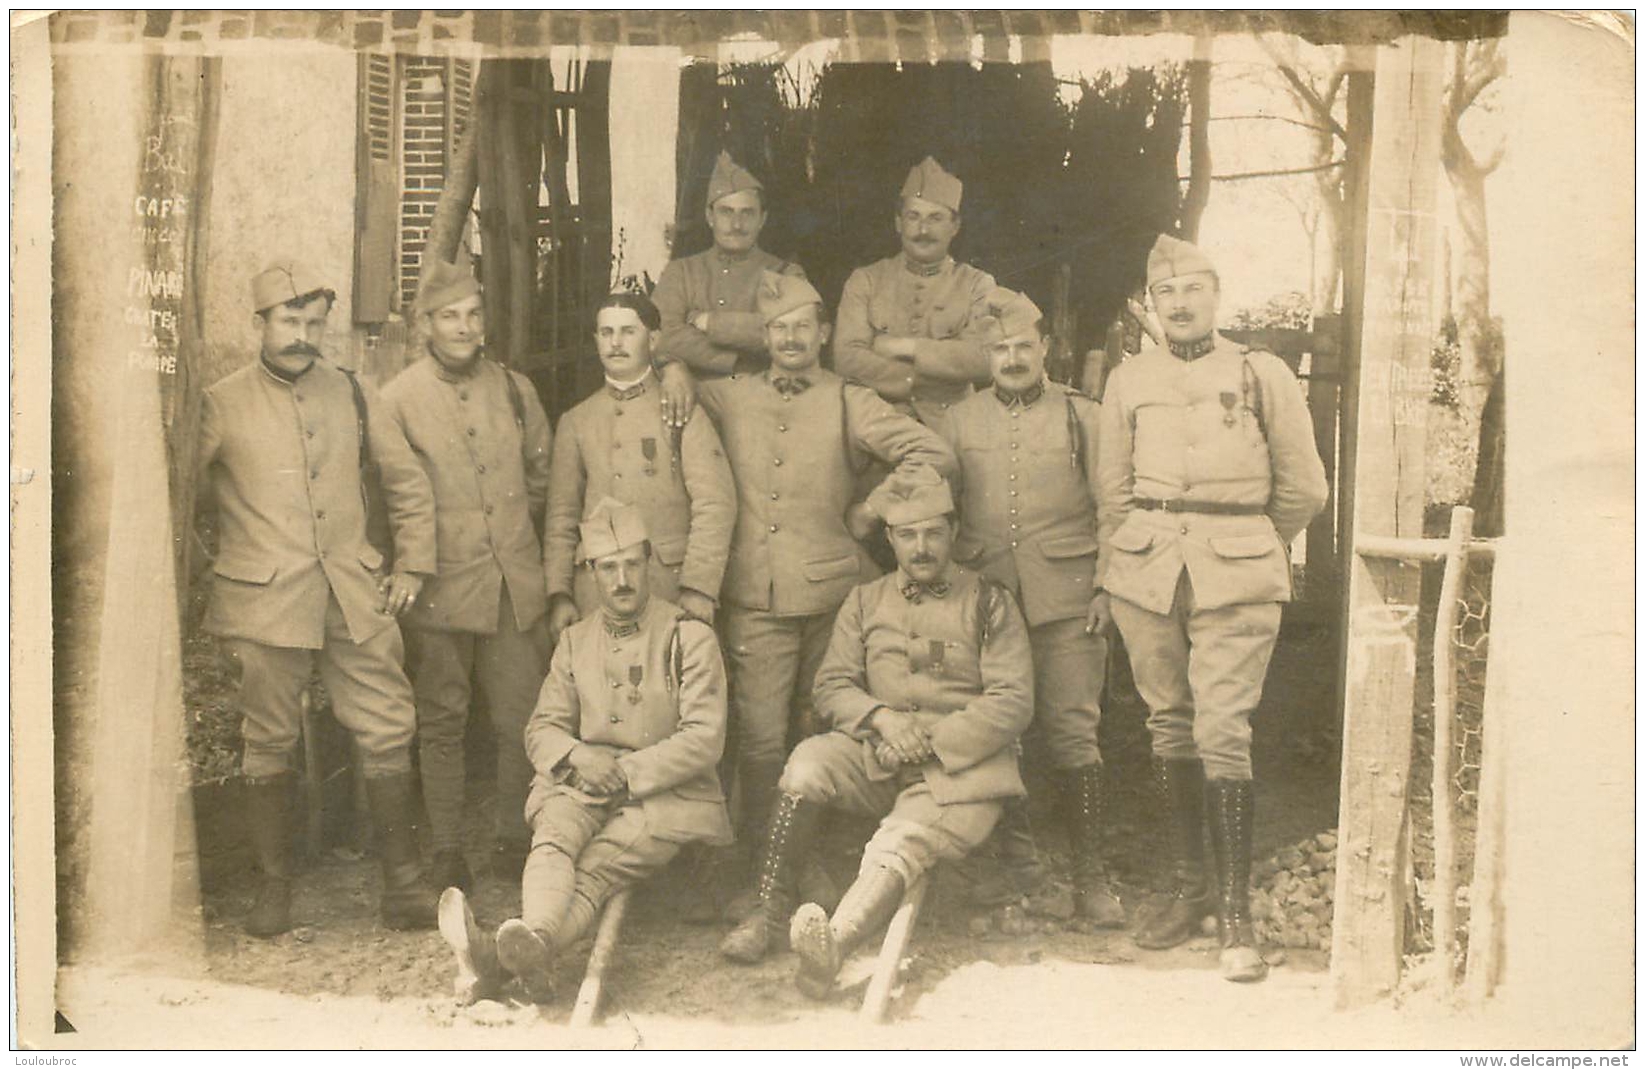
[1208,471]
[285,448]
[624,739]
[926,687]
[1028,521]
[908,324]
[483,438]
[617,444]
[707,301]
[798,437]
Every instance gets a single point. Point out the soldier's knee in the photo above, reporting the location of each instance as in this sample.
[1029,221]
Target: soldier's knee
[807,775]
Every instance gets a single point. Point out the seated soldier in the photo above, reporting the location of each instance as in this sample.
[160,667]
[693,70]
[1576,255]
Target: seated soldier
[624,740]
[927,684]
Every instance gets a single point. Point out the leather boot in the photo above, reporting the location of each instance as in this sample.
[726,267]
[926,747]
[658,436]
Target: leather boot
[1231,805]
[529,956]
[408,901]
[479,975]
[793,822]
[1082,800]
[450,870]
[268,827]
[824,944]
[1193,899]
[508,860]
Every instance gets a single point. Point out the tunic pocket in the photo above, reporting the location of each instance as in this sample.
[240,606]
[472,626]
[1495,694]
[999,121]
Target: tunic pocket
[242,571]
[1067,546]
[1131,539]
[1244,546]
[831,568]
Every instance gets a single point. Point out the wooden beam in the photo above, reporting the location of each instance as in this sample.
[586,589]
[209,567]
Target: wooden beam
[877,1000]
[1390,468]
[583,1012]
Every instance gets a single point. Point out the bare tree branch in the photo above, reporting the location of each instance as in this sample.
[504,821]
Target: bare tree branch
[1305,93]
[1270,174]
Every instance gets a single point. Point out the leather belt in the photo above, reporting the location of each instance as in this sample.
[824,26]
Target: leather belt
[1186,505]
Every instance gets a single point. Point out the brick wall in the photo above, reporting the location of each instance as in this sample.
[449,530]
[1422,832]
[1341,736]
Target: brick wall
[911,36]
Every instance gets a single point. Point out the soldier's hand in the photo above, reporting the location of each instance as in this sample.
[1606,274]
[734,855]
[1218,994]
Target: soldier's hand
[886,756]
[562,613]
[902,734]
[679,393]
[400,590]
[893,347]
[697,606]
[700,321]
[598,770]
[1099,617]
[861,521]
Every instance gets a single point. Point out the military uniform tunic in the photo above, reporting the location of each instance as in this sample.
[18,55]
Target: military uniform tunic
[795,454]
[654,695]
[294,571]
[615,444]
[723,286]
[1028,494]
[958,659]
[486,450]
[1197,592]
[941,307]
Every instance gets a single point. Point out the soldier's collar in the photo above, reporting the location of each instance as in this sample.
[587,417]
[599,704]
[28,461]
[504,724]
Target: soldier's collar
[916,591]
[787,385]
[451,375]
[1012,398]
[280,373]
[627,391]
[620,629]
[1193,350]
[734,258]
[925,271]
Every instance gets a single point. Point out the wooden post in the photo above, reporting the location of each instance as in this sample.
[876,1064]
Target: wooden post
[599,960]
[1485,913]
[877,1000]
[1368,934]
[1445,696]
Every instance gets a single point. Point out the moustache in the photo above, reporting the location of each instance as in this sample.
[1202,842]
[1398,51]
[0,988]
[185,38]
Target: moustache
[1181,317]
[621,591]
[299,349]
[923,559]
[1012,369]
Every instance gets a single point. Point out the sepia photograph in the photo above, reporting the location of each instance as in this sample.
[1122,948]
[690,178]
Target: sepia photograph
[818,529]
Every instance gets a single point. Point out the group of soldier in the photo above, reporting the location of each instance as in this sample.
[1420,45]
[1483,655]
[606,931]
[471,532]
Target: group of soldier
[675,591]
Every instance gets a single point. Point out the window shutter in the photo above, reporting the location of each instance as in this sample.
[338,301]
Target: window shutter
[377,191]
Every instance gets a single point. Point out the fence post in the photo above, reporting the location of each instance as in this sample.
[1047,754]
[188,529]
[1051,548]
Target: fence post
[1445,694]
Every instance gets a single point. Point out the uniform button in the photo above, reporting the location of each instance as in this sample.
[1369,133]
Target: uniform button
[482,469]
[1183,530]
[1015,414]
[617,412]
[1013,544]
[488,510]
[321,515]
[914,708]
[314,473]
[297,397]
[616,720]
[1013,445]
[773,495]
[309,431]
[1013,527]
[782,427]
[1013,494]
[471,432]
[773,528]
[790,397]
[462,395]
[944,404]
[1013,477]
[615,684]
[778,461]
[722,301]
[1013,511]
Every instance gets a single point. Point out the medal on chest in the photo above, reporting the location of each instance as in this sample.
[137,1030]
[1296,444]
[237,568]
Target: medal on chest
[636,673]
[648,450]
[1229,400]
[935,650]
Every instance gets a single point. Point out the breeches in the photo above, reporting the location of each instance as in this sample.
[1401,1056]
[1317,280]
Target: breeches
[609,847]
[915,830]
[510,665]
[369,696]
[773,663]
[1201,672]
[1069,667]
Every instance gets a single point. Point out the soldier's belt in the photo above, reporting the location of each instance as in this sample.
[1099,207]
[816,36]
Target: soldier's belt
[1188,505]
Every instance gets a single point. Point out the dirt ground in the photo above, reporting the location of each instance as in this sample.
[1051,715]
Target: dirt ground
[669,969]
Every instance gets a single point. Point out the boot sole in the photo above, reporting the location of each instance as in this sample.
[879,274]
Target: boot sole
[1187,933]
[523,954]
[1242,971]
[812,939]
[461,933]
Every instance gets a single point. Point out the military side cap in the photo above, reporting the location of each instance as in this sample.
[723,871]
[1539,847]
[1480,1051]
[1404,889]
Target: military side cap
[283,280]
[1009,314]
[910,495]
[445,282]
[930,181]
[729,177]
[780,293]
[1171,257]
[611,526]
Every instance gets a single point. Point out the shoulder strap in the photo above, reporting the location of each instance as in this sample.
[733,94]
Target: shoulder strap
[985,610]
[674,660]
[362,421]
[1076,437]
[515,400]
[1251,388]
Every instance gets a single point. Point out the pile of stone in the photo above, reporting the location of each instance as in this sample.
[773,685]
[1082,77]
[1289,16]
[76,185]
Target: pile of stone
[1291,894]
